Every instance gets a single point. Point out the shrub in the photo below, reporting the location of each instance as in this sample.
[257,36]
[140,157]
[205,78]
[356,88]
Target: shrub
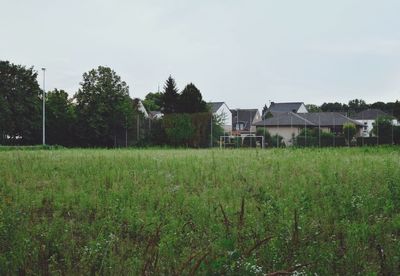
[349,130]
[265,133]
[179,129]
[277,141]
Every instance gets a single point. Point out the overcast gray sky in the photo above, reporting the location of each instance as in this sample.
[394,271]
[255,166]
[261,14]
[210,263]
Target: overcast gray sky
[245,53]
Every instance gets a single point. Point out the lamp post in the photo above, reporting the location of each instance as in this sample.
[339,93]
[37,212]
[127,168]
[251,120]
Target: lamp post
[44,107]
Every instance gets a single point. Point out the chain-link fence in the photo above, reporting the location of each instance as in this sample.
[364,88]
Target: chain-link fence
[330,129]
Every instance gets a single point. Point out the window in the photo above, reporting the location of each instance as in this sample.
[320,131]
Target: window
[239,126]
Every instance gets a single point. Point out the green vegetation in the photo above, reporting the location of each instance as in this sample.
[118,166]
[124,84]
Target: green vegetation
[270,140]
[174,212]
[100,114]
[349,130]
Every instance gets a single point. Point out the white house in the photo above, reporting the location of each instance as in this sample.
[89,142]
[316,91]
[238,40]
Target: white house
[290,124]
[140,107]
[367,118]
[155,115]
[221,110]
[243,121]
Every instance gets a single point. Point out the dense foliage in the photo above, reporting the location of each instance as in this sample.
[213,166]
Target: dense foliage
[170,97]
[101,113]
[191,100]
[153,101]
[20,105]
[181,212]
[60,119]
[357,105]
[349,131]
[102,107]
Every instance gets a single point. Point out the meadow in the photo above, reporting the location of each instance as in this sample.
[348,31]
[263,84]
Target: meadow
[206,212]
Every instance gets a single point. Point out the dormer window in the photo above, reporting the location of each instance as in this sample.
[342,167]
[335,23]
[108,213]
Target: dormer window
[239,126]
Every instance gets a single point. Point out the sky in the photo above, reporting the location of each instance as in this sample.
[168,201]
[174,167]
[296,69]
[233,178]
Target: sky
[245,53]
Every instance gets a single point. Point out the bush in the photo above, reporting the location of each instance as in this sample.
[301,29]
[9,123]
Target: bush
[382,126]
[179,129]
[327,140]
[367,141]
[191,130]
[277,141]
[349,130]
[267,136]
[251,141]
[306,141]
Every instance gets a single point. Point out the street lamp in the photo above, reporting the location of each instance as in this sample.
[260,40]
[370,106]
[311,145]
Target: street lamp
[44,110]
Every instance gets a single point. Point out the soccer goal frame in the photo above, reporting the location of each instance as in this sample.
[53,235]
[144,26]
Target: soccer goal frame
[223,138]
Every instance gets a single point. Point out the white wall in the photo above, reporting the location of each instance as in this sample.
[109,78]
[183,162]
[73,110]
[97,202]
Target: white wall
[142,109]
[226,115]
[286,132]
[302,109]
[256,119]
[369,123]
[366,130]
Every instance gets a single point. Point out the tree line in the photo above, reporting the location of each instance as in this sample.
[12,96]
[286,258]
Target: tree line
[357,105]
[100,114]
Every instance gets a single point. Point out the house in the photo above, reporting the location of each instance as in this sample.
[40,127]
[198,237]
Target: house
[243,121]
[140,107]
[289,124]
[155,115]
[295,107]
[222,111]
[367,118]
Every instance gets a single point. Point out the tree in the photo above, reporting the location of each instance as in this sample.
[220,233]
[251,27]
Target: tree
[268,115]
[264,110]
[313,108]
[179,128]
[334,107]
[383,128]
[170,97]
[153,101]
[378,105]
[103,106]
[357,105]
[349,130]
[60,118]
[217,127]
[191,100]
[267,136]
[20,105]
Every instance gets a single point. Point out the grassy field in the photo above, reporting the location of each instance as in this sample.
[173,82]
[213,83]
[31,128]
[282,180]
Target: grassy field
[179,212]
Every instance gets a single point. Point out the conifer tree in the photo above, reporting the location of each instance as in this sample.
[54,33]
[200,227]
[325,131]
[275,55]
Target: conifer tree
[170,97]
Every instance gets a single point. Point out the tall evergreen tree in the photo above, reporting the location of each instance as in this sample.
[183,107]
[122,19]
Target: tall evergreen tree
[170,97]
[264,110]
[191,100]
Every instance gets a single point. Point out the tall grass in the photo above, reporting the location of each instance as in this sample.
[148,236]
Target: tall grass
[174,212]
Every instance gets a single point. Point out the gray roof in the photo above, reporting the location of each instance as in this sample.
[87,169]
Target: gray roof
[285,107]
[307,119]
[214,106]
[155,114]
[328,118]
[285,119]
[245,116]
[369,114]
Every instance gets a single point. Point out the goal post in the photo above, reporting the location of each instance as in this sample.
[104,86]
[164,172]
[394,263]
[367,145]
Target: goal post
[237,141]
